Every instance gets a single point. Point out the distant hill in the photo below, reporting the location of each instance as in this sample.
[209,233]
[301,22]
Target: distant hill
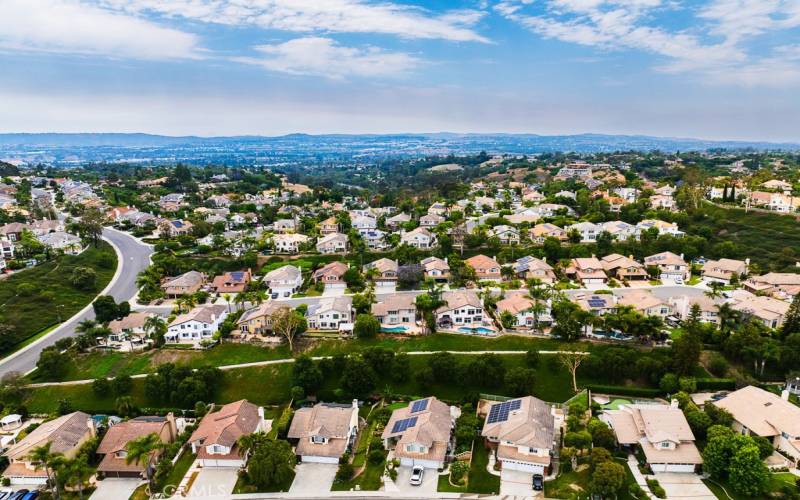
[7,169]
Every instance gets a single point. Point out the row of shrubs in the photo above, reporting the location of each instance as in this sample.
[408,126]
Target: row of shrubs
[707,384]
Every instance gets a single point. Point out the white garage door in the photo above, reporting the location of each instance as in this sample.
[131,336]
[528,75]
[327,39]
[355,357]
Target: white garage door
[428,464]
[672,468]
[320,460]
[522,466]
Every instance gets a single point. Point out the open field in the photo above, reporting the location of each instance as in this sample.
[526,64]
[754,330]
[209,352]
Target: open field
[52,296]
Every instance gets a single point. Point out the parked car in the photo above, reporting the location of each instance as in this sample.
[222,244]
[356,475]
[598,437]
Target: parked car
[417,472]
[18,495]
[538,482]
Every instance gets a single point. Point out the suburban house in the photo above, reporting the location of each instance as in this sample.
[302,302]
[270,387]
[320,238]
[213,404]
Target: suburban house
[486,268]
[769,311]
[201,323]
[395,309]
[530,267]
[384,269]
[232,282]
[540,232]
[418,238]
[786,284]
[215,441]
[324,432]
[258,320]
[113,446]
[762,413]
[670,266]
[61,240]
[662,432]
[329,226]
[522,432]
[289,243]
[177,227]
[587,270]
[523,310]
[375,239]
[284,281]
[129,331]
[332,243]
[66,434]
[724,270]
[364,223]
[646,303]
[436,269]
[187,283]
[421,434]
[623,268]
[331,313]
[620,230]
[508,235]
[431,220]
[597,304]
[461,307]
[285,225]
[660,226]
[682,306]
[331,275]
[588,231]
[394,222]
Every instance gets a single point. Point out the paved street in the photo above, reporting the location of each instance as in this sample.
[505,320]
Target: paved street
[135,257]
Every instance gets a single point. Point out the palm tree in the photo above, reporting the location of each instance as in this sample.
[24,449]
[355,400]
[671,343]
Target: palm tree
[141,451]
[86,326]
[715,289]
[227,298]
[76,472]
[125,406]
[729,318]
[258,296]
[156,327]
[43,457]
[240,299]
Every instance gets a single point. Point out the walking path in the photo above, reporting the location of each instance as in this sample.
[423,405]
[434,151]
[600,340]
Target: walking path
[633,465]
[315,358]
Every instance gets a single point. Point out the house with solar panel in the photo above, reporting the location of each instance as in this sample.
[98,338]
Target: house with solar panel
[232,282]
[421,433]
[522,433]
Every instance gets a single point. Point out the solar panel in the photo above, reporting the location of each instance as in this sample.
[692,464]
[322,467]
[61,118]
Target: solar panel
[419,405]
[500,411]
[597,303]
[402,425]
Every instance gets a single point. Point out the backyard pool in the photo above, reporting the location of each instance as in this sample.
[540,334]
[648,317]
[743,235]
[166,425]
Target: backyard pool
[480,329]
[394,329]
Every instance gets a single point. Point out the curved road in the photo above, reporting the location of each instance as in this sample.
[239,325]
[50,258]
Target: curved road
[132,256]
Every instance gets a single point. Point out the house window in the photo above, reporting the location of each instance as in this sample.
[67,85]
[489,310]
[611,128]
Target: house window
[665,444]
[318,439]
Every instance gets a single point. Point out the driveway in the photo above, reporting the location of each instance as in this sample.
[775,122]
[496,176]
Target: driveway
[430,482]
[312,479]
[517,483]
[688,486]
[214,482]
[114,489]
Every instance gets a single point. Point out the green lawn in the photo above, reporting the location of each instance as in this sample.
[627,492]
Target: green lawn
[776,482]
[243,486]
[446,487]
[175,476]
[567,485]
[52,295]
[481,480]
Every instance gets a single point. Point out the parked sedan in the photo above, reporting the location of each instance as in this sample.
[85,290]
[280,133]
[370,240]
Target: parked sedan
[416,475]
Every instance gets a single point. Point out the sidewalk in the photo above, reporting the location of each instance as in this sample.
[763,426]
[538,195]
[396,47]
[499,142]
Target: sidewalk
[633,465]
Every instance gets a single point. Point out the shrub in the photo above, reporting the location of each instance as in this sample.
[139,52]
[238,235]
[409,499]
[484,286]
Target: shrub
[716,384]
[375,457]
[688,384]
[101,387]
[457,471]
[656,488]
[25,289]
[718,365]
[625,391]
[344,473]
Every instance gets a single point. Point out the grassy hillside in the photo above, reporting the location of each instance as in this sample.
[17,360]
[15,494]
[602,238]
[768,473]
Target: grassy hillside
[770,240]
[30,310]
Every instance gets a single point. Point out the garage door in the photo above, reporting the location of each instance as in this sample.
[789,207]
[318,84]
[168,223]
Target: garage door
[428,464]
[320,460]
[689,468]
[523,467]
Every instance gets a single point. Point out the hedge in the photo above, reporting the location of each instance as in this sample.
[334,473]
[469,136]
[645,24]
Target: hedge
[621,390]
[716,384]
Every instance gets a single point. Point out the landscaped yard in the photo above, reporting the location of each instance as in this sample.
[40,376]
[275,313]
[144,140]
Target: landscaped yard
[481,480]
[34,299]
[242,486]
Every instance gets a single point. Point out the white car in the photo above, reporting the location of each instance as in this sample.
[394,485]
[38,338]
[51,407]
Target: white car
[417,472]
[679,281]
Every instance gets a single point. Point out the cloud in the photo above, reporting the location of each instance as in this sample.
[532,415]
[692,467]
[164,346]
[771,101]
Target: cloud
[630,25]
[317,16]
[324,57]
[69,26]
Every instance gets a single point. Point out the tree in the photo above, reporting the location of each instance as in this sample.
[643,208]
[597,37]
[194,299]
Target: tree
[748,474]
[366,326]
[570,320]
[608,479]
[519,381]
[76,472]
[105,309]
[580,440]
[306,374]
[358,378]
[572,361]
[52,363]
[91,224]
[288,323]
[43,457]
[83,278]
[686,353]
[141,451]
[125,407]
[271,463]
[791,323]
[156,327]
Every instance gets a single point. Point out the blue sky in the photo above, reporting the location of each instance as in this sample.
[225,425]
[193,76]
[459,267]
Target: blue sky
[717,69]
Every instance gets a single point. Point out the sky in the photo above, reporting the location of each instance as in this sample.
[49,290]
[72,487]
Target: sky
[716,69]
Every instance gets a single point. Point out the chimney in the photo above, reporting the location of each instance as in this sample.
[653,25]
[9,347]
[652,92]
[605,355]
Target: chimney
[673,404]
[173,426]
[747,261]
[445,260]
[681,256]
[93,428]
[785,395]
[355,404]
[261,412]
[544,259]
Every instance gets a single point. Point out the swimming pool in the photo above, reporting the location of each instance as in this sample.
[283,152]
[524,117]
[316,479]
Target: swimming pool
[479,329]
[394,329]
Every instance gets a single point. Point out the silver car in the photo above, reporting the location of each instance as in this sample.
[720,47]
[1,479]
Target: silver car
[417,472]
